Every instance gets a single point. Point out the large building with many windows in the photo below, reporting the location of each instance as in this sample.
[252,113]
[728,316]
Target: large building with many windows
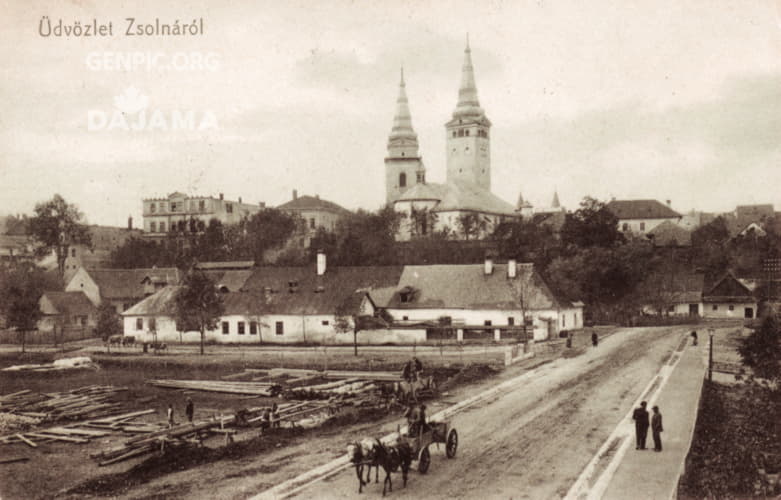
[180,212]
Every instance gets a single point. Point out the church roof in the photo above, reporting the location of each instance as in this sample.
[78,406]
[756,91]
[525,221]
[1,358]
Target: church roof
[468,106]
[458,196]
[402,120]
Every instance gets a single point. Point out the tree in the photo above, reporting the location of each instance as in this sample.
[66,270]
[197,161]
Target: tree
[526,241]
[343,324]
[109,323]
[710,246]
[471,225]
[20,291]
[593,224]
[56,226]
[762,351]
[422,221]
[268,229]
[198,304]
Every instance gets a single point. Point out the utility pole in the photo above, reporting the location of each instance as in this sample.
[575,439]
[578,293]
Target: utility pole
[710,355]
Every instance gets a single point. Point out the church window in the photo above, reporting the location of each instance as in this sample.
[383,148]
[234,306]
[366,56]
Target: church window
[402,180]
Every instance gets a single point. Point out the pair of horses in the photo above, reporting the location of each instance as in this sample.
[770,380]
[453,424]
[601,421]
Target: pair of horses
[371,452]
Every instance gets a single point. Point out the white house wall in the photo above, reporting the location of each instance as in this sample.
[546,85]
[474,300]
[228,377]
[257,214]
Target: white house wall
[82,282]
[723,310]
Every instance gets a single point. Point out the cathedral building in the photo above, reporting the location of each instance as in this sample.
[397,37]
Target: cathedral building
[464,205]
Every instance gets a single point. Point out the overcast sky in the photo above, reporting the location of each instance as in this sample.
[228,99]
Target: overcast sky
[656,99]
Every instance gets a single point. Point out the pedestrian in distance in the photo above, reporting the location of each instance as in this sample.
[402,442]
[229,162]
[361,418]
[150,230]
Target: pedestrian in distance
[640,416]
[656,428]
[694,337]
[274,416]
[594,338]
[189,410]
[170,414]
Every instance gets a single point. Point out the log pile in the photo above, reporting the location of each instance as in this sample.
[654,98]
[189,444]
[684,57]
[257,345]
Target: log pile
[344,388]
[84,402]
[254,388]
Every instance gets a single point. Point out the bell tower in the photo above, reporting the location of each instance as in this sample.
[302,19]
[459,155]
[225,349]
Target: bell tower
[468,133]
[403,165]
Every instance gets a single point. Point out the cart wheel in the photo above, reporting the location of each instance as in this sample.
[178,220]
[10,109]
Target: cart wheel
[452,444]
[424,461]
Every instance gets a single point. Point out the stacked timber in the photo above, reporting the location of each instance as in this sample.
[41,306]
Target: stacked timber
[84,402]
[253,388]
[345,387]
[363,375]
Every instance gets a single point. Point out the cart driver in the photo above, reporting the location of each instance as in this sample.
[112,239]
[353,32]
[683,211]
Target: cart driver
[412,414]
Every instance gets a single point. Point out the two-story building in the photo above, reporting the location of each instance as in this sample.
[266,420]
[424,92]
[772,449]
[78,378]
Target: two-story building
[641,216]
[122,288]
[313,213]
[180,212]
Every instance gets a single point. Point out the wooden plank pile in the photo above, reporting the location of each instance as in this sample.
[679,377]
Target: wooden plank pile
[342,388]
[254,388]
[82,432]
[363,375]
[84,402]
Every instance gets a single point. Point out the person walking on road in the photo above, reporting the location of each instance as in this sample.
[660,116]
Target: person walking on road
[656,428]
[594,338]
[189,410]
[640,416]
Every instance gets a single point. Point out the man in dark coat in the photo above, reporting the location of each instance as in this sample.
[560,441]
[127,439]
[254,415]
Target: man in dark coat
[656,429]
[640,416]
[594,338]
[189,410]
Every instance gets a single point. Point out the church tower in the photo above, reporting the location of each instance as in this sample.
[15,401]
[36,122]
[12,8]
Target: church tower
[468,134]
[403,165]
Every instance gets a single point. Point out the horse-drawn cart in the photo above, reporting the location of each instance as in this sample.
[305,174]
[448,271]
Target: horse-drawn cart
[434,432]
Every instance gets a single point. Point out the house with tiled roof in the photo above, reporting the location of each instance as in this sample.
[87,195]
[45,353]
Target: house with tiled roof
[287,305]
[673,292]
[121,287]
[313,213]
[641,216]
[66,310]
[729,297]
[481,301]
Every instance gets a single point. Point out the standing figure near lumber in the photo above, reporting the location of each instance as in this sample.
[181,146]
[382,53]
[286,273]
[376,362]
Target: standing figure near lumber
[170,414]
[189,410]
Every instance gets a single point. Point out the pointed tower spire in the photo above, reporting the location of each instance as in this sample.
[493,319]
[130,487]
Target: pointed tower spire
[519,204]
[555,203]
[468,103]
[402,120]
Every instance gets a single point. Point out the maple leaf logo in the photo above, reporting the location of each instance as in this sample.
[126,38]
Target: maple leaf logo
[131,101]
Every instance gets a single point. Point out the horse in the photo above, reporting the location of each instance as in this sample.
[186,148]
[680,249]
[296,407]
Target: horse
[407,391]
[390,457]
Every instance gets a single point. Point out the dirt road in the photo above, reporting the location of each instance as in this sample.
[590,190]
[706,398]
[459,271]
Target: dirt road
[534,441]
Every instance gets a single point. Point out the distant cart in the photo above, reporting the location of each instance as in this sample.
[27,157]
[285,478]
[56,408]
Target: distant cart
[435,432]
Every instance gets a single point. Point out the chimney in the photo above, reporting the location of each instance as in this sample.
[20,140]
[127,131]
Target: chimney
[295,194]
[512,268]
[669,203]
[239,199]
[489,266]
[320,263]
[222,196]
[130,222]
[317,196]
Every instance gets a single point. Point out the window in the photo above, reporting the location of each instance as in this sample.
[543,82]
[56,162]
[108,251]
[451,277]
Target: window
[253,327]
[229,208]
[454,133]
[642,226]
[280,328]
[152,207]
[325,322]
[73,252]
[405,318]
[625,226]
[152,325]
[461,133]
[671,308]
[731,307]
[421,177]
[202,206]
[511,321]
[466,132]
[139,323]
[162,227]
[402,180]
[125,306]
[563,321]
[241,328]
[226,328]
[311,223]
[715,307]
[487,322]
[174,206]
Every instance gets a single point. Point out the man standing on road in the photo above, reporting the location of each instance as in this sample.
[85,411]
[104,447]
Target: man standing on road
[189,410]
[656,428]
[594,338]
[640,416]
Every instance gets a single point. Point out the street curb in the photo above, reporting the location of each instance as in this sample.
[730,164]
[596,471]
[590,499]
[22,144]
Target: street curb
[301,482]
